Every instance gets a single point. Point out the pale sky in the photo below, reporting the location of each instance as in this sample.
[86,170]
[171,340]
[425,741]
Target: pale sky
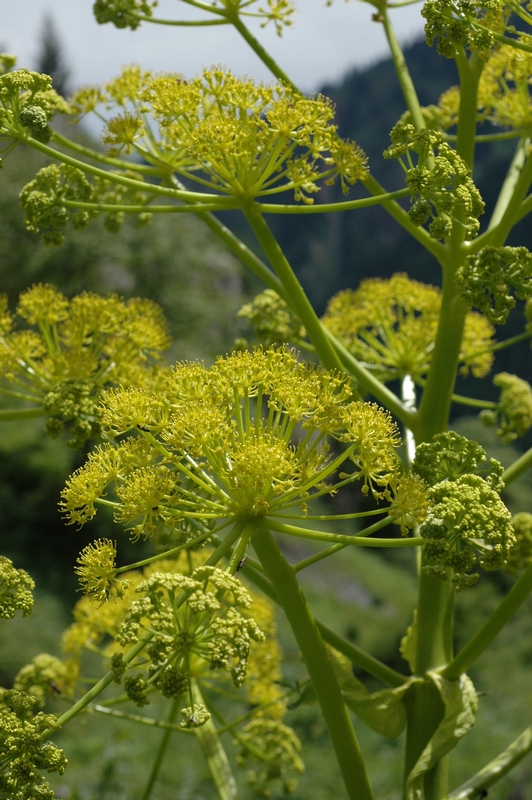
[323,44]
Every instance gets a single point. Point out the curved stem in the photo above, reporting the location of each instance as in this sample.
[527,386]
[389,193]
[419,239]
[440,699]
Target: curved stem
[518,468]
[13,414]
[478,785]
[319,667]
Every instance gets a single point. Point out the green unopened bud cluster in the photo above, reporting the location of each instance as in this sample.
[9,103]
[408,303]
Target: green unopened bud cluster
[439,179]
[24,754]
[468,523]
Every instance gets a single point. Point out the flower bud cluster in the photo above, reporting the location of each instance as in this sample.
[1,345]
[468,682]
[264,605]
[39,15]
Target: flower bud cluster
[487,279]
[458,24]
[43,676]
[521,553]
[279,750]
[123,13]
[441,184]
[24,753]
[44,201]
[206,626]
[27,103]
[468,523]
[16,588]
[73,349]
[513,412]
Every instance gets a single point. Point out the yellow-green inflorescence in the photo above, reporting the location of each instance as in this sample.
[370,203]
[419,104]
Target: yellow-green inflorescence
[512,415]
[24,753]
[257,435]
[468,523]
[207,629]
[16,590]
[439,179]
[60,354]
[225,134]
[388,325]
[131,13]
[27,104]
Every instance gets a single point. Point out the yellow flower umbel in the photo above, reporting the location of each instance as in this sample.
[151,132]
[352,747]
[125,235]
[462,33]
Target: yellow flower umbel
[390,326]
[247,439]
[70,350]
[226,134]
[220,632]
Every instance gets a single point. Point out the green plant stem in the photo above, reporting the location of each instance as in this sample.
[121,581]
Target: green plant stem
[512,176]
[371,384]
[496,769]
[435,597]
[401,69]
[469,71]
[362,540]
[259,50]
[151,188]
[401,216]
[518,468]
[137,718]
[435,404]
[214,753]
[298,299]
[102,684]
[321,208]
[183,23]
[357,655]
[161,751]
[13,414]
[146,208]
[491,628]
[317,661]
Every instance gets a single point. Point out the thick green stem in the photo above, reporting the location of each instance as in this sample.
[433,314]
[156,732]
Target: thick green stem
[491,628]
[319,667]
[215,755]
[435,404]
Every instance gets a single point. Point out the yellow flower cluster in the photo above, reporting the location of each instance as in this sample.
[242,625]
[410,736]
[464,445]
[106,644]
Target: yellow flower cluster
[390,326]
[226,134]
[250,437]
[70,350]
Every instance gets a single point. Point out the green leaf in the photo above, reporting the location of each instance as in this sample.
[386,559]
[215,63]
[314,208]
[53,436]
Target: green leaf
[384,711]
[461,703]
[408,646]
